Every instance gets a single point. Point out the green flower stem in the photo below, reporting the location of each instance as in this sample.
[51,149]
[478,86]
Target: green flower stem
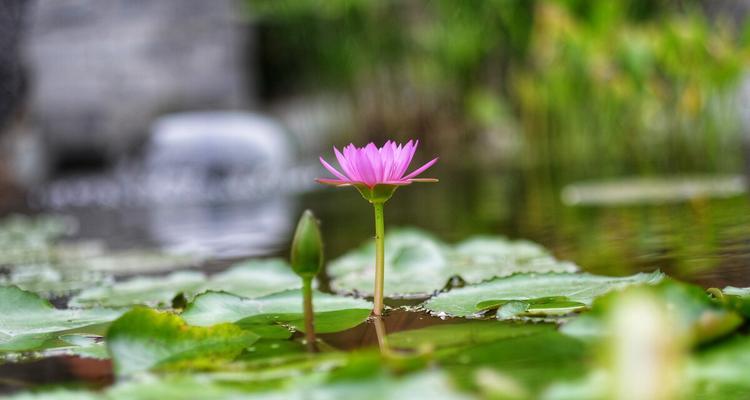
[379,258]
[307,294]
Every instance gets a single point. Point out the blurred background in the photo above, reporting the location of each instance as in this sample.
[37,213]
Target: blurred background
[613,132]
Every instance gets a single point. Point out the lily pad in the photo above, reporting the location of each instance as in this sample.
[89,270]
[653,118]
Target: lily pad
[376,386]
[526,356]
[720,372]
[273,316]
[736,298]
[156,291]
[463,334]
[86,346]
[418,264]
[254,278]
[143,338]
[696,317]
[27,321]
[530,288]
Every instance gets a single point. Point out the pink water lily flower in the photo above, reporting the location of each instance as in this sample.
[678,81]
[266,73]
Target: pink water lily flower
[377,173]
[370,166]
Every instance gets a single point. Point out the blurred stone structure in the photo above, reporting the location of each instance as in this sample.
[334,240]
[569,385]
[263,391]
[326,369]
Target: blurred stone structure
[102,71]
[12,80]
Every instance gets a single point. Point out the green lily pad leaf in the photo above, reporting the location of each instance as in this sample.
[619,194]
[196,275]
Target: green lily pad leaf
[414,261]
[737,299]
[254,278]
[463,334]
[555,308]
[531,359]
[272,348]
[86,346]
[696,316]
[273,316]
[577,288]
[485,257]
[58,394]
[523,356]
[720,372]
[418,264]
[545,306]
[155,291]
[376,386]
[50,281]
[143,339]
[27,321]
[511,309]
[735,291]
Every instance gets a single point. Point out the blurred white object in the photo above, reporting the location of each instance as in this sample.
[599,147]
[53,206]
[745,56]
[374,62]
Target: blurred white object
[652,190]
[227,140]
[646,356]
[226,231]
[207,157]
[213,179]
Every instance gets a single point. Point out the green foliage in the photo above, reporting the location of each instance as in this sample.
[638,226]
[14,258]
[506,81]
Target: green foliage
[736,298]
[28,322]
[694,316]
[652,93]
[255,278]
[553,290]
[37,259]
[464,334]
[143,339]
[417,264]
[277,315]
[602,86]
[224,345]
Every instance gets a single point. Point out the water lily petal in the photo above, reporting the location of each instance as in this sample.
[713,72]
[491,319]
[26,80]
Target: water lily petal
[332,170]
[333,182]
[421,169]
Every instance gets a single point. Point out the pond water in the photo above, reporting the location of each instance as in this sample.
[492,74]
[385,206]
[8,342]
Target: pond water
[701,239]
[698,239]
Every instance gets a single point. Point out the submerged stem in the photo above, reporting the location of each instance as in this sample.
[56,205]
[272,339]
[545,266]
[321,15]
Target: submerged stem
[381,335]
[379,258]
[308,308]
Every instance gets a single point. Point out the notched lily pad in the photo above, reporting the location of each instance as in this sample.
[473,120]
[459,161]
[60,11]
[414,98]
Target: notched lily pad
[27,321]
[539,294]
[418,264]
[143,339]
[275,316]
[253,278]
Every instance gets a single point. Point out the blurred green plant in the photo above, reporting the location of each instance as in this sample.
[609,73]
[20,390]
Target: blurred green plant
[653,94]
[606,86]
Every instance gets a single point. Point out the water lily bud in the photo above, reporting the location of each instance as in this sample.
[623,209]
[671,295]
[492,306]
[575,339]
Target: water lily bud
[307,247]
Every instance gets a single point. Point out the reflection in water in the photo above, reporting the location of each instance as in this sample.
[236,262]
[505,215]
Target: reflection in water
[377,320]
[223,230]
[702,240]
